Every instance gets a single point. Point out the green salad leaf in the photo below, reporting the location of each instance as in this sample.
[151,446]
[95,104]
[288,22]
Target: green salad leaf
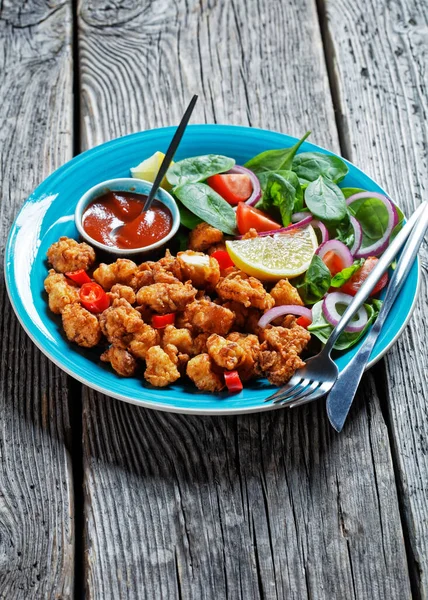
[315,283]
[187,218]
[322,329]
[344,232]
[345,275]
[275,160]
[373,217]
[278,197]
[209,206]
[309,166]
[326,201]
[289,176]
[198,168]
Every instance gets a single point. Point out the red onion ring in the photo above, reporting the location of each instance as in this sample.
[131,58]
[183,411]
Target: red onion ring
[378,247]
[324,232]
[338,248]
[286,309]
[333,317]
[257,190]
[282,229]
[358,235]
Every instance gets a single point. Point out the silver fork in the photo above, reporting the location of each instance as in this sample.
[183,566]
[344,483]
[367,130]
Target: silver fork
[320,373]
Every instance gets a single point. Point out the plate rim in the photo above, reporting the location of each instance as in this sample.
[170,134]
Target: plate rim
[151,404]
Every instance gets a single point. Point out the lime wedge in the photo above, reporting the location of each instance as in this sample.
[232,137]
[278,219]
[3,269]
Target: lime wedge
[275,257]
[148,169]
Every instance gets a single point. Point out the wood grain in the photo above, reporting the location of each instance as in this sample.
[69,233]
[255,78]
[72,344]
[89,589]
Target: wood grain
[261,506]
[380,67]
[36,496]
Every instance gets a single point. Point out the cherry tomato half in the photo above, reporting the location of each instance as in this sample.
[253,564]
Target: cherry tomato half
[233,187]
[248,217]
[353,285]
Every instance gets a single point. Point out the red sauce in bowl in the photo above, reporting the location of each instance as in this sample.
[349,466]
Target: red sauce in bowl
[106,213]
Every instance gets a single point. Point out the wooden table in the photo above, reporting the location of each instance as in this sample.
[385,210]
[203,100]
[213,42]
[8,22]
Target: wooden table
[102,498]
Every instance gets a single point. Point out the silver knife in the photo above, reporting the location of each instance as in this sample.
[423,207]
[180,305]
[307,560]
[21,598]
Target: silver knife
[343,391]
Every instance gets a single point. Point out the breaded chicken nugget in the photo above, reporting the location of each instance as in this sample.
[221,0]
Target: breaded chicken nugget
[204,236]
[279,358]
[143,340]
[208,317]
[200,371]
[121,360]
[181,338]
[81,326]
[68,255]
[202,270]
[120,323]
[143,275]
[160,369]
[166,297]
[251,347]
[285,293]
[122,291]
[167,270]
[61,292]
[225,353]
[249,291]
[122,271]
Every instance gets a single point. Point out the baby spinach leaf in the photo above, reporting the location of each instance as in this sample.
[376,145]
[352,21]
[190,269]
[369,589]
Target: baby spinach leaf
[187,218]
[275,160]
[310,165]
[198,168]
[209,206]
[326,201]
[322,329]
[315,283]
[289,176]
[373,218]
[279,196]
[344,232]
[350,191]
[345,275]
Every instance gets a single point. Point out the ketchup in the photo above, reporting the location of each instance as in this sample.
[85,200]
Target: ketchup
[115,209]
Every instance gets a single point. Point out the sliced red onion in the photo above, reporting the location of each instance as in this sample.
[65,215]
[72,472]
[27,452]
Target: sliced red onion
[338,248]
[299,216]
[324,232]
[329,308]
[287,309]
[358,235]
[282,229]
[257,190]
[378,247]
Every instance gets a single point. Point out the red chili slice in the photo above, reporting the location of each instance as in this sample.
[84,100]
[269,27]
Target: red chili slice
[93,297]
[233,381]
[80,277]
[161,321]
[223,259]
[303,322]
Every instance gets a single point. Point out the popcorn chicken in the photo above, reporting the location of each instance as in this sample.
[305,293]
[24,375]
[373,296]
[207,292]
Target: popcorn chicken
[251,351]
[286,340]
[60,291]
[122,271]
[81,326]
[200,371]
[225,353]
[279,357]
[200,343]
[278,368]
[243,314]
[160,370]
[180,338]
[249,291]
[143,275]
[121,360]
[202,270]
[68,255]
[166,297]
[144,339]
[120,323]
[208,317]
[285,293]
[168,270]
[204,236]
[122,291]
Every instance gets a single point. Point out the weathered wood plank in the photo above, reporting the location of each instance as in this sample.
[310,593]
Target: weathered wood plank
[270,506]
[380,58]
[36,496]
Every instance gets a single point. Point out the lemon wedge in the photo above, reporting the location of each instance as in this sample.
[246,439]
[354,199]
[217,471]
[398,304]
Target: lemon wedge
[148,169]
[275,256]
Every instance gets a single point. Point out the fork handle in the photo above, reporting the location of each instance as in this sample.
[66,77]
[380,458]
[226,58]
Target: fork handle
[342,394]
[371,281]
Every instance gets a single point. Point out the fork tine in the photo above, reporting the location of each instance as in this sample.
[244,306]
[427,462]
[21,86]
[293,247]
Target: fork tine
[295,391]
[308,389]
[318,392]
[289,387]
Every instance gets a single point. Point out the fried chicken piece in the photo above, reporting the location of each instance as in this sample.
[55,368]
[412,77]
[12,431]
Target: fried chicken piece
[178,358]
[143,275]
[121,360]
[204,236]
[249,291]
[143,340]
[225,353]
[286,340]
[242,313]
[200,343]
[121,322]
[277,368]
[122,291]
[168,270]
[285,293]
[208,317]
[279,357]
[200,371]
[160,370]
[251,347]
[202,270]
[81,326]
[68,255]
[122,271]
[180,338]
[60,292]
[166,297]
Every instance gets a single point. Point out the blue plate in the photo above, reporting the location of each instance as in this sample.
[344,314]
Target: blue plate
[48,214]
